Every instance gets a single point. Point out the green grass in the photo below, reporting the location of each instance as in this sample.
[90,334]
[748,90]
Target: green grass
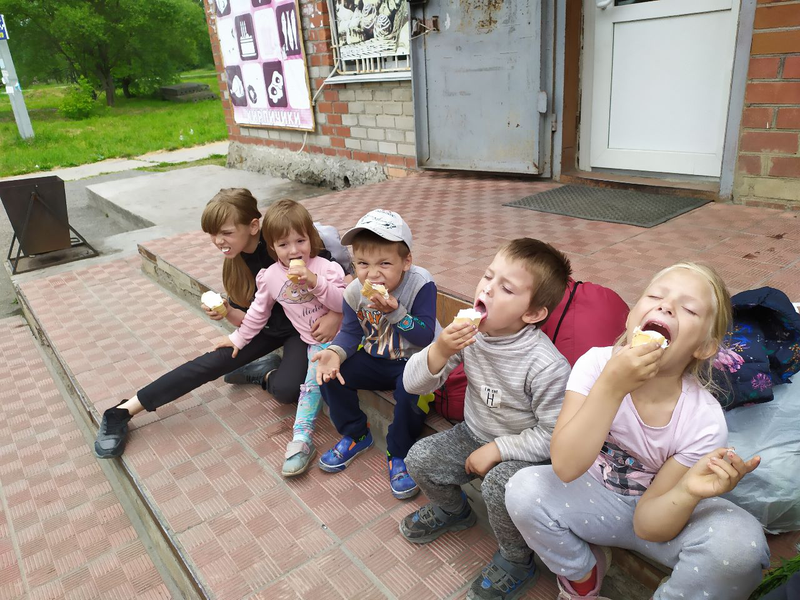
[134,126]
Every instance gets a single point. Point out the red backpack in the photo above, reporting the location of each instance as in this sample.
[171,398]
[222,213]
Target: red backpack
[589,315]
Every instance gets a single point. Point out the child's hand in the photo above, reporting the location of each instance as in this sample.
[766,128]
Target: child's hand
[385,305]
[328,368]
[227,343]
[214,315]
[630,368]
[713,476]
[304,276]
[455,337]
[326,327]
[483,460]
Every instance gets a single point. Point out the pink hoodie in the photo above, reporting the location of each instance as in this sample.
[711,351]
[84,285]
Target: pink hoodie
[303,306]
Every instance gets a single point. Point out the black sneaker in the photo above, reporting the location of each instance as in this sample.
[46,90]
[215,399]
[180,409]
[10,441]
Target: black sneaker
[254,372]
[430,521]
[110,441]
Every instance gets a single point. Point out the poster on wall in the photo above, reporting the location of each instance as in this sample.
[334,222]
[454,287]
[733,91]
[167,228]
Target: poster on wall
[372,28]
[262,50]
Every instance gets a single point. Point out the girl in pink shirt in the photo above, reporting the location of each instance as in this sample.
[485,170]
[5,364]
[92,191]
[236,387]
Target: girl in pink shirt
[307,290]
[639,457]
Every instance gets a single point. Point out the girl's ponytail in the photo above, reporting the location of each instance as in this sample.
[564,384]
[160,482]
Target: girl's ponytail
[240,206]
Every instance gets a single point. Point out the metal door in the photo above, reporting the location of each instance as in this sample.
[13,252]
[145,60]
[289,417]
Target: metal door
[480,100]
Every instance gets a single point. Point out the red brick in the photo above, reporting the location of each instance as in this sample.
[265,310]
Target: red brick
[331,95]
[337,142]
[764,68]
[757,118]
[773,93]
[769,141]
[788,118]
[775,42]
[294,146]
[325,107]
[362,156]
[791,66]
[411,163]
[784,166]
[393,159]
[315,149]
[749,164]
[343,131]
[329,151]
[772,17]
[378,158]
[328,130]
[340,108]
[334,119]
[344,153]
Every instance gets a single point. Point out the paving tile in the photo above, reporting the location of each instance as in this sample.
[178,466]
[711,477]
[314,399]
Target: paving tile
[64,532]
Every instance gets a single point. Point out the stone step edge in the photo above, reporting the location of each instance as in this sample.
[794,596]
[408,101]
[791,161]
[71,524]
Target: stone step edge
[379,405]
[166,551]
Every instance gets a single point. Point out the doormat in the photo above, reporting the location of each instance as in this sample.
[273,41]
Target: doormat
[611,205]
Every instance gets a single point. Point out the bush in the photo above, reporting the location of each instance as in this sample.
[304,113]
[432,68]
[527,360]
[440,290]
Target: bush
[79,102]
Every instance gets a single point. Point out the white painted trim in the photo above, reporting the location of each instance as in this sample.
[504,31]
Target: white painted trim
[367,77]
[585,86]
[741,63]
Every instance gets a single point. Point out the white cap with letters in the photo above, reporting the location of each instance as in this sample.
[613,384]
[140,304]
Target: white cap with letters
[385,223]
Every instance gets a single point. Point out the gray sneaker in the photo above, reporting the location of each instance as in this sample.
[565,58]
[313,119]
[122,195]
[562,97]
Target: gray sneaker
[430,521]
[254,372]
[110,441]
[503,580]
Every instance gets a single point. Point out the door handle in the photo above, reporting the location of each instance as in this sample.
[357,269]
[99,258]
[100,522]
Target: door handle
[604,4]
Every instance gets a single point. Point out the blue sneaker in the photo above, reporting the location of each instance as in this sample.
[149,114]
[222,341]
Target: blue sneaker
[503,580]
[402,485]
[342,454]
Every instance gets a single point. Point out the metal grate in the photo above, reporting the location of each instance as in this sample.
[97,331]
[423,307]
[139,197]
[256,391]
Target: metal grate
[614,206]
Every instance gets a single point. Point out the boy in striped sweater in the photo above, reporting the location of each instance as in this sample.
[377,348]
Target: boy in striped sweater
[516,382]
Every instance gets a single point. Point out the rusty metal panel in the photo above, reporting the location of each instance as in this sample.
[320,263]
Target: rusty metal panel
[478,86]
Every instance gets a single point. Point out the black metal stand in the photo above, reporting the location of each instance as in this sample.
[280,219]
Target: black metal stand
[79,240]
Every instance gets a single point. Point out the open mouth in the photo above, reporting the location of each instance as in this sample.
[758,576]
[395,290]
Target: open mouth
[225,250]
[481,308]
[659,328]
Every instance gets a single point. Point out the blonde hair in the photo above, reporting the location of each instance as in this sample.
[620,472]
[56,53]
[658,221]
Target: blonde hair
[241,207]
[549,268]
[284,216]
[703,369]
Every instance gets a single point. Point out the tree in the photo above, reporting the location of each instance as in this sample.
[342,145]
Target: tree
[135,42]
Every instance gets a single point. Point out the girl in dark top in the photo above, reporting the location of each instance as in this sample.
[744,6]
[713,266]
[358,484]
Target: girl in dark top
[232,219]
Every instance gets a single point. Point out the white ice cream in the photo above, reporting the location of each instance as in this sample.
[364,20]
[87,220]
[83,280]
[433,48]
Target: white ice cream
[211,299]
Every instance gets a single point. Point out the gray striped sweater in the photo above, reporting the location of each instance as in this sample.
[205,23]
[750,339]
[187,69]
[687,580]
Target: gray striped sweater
[515,389]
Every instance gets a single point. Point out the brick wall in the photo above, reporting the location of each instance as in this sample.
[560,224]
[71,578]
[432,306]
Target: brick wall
[768,169]
[367,122]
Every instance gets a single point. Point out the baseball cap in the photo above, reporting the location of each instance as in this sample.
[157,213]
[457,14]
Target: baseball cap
[385,223]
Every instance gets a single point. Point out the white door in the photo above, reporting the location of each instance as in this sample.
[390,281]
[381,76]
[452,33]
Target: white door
[657,78]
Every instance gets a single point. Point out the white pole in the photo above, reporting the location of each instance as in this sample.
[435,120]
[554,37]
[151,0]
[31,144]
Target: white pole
[11,83]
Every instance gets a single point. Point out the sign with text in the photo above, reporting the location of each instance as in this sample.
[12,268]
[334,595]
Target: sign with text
[265,64]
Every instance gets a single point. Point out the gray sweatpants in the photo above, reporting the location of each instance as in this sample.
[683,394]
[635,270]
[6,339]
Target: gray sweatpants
[719,555]
[436,463]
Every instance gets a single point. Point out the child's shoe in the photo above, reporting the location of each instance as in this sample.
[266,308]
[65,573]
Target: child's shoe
[342,454]
[298,457]
[110,441]
[400,481]
[254,372]
[502,580]
[430,521]
[565,590]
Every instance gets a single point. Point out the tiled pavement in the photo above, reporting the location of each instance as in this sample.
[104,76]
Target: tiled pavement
[209,463]
[63,532]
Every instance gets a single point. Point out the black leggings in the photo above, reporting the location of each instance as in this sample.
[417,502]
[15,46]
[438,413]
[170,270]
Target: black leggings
[284,384]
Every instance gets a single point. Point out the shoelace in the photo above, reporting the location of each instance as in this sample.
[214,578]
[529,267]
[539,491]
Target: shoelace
[427,517]
[500,579]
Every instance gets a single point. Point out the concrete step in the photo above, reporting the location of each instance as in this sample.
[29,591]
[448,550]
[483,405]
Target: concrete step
[68,527]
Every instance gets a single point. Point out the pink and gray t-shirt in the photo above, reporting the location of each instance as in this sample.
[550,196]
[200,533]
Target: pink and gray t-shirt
[634,452]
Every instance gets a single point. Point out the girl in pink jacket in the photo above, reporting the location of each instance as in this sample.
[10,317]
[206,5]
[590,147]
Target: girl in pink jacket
[307,286]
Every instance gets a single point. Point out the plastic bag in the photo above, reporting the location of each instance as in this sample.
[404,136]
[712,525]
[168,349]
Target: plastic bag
[771,493]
